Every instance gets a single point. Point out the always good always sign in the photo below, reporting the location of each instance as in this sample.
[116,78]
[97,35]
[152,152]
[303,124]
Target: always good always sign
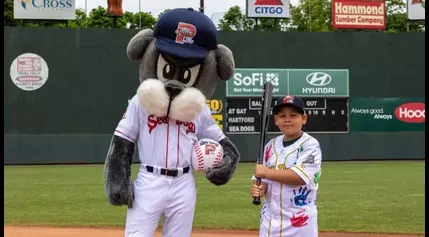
[387,114]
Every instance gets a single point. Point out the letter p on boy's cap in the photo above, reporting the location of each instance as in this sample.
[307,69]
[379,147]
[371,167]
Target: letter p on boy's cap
[289,100]
[185,33]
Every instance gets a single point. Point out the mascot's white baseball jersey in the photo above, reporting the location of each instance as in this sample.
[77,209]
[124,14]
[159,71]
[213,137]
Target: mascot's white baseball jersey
[175,137]
[180,65]
[290,210]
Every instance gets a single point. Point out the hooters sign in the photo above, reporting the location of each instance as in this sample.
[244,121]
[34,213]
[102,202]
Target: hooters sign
[185,33]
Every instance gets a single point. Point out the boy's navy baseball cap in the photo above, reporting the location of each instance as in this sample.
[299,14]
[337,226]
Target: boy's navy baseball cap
[185,33]
[290,100]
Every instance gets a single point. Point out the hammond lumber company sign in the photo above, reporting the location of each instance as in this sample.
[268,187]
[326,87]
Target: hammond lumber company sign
[351,14]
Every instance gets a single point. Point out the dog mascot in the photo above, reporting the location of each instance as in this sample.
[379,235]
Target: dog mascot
[180,65]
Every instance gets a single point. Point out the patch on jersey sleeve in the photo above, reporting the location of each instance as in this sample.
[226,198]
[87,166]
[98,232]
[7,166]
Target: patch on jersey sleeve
[309,160]
[317,177]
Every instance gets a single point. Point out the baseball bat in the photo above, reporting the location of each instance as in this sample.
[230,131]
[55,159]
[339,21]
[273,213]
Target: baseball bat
[265,114]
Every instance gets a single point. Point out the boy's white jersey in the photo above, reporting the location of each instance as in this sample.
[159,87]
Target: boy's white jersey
[290,210]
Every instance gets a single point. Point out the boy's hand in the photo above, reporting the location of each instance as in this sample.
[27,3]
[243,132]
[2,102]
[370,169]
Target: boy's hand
[259,191]
[261,171]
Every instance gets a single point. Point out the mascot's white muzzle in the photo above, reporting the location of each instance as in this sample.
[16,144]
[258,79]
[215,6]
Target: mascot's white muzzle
[172,99]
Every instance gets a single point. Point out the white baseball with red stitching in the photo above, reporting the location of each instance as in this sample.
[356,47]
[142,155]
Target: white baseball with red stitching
[206,154]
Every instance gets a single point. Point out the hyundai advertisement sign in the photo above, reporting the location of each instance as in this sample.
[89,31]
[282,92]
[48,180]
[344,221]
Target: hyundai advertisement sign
[268,8]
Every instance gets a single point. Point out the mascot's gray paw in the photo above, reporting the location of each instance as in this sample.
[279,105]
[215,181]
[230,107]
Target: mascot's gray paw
[122,196]
[223,171]
[117,173]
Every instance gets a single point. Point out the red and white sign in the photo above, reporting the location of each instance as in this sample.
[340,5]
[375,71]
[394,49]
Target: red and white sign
[267,8]
[29,71]
[413,112]
[359,14]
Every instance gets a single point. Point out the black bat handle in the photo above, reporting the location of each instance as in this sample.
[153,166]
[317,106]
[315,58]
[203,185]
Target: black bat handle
[257,199]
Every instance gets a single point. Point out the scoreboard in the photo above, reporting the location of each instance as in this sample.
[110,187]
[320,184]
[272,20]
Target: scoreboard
[325,115]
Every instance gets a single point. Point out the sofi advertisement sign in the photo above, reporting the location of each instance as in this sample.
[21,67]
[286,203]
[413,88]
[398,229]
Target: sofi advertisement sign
[359,14]
[267,8]
[44,9]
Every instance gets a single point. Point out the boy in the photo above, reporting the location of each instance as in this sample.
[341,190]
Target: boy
[289,175]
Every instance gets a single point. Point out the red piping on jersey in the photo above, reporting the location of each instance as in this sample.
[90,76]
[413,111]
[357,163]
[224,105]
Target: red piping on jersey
[125,135]
[166,149]
[178,145]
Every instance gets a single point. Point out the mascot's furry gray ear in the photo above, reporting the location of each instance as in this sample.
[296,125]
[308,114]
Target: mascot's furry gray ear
[138,44]
[225,62]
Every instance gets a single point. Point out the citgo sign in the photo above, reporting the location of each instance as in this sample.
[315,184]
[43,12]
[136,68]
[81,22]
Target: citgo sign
[267,8]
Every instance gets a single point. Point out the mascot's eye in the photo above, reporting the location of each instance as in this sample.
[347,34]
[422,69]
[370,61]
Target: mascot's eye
[188,76]
[165,70]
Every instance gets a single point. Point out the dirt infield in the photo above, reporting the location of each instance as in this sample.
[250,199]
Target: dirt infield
[13,231]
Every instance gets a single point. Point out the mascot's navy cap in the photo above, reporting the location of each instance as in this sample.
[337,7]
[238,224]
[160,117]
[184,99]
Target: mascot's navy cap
[290,100]
[185,33]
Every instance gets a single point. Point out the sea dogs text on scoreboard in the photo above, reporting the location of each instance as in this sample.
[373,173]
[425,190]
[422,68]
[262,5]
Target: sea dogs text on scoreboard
[268,8]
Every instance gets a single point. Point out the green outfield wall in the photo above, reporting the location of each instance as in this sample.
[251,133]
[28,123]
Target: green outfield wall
[71,118]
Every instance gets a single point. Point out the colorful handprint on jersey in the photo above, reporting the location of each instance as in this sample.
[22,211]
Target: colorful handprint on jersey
[299,219]
[300,197]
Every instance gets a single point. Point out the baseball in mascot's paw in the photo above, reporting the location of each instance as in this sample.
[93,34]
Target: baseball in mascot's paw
[206,154]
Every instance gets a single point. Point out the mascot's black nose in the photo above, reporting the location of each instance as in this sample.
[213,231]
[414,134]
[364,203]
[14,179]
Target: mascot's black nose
[172,91]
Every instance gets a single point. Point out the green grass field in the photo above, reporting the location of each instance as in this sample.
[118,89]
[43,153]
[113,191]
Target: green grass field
[355,197]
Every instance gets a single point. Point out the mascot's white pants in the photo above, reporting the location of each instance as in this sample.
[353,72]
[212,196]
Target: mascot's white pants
[156,195]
